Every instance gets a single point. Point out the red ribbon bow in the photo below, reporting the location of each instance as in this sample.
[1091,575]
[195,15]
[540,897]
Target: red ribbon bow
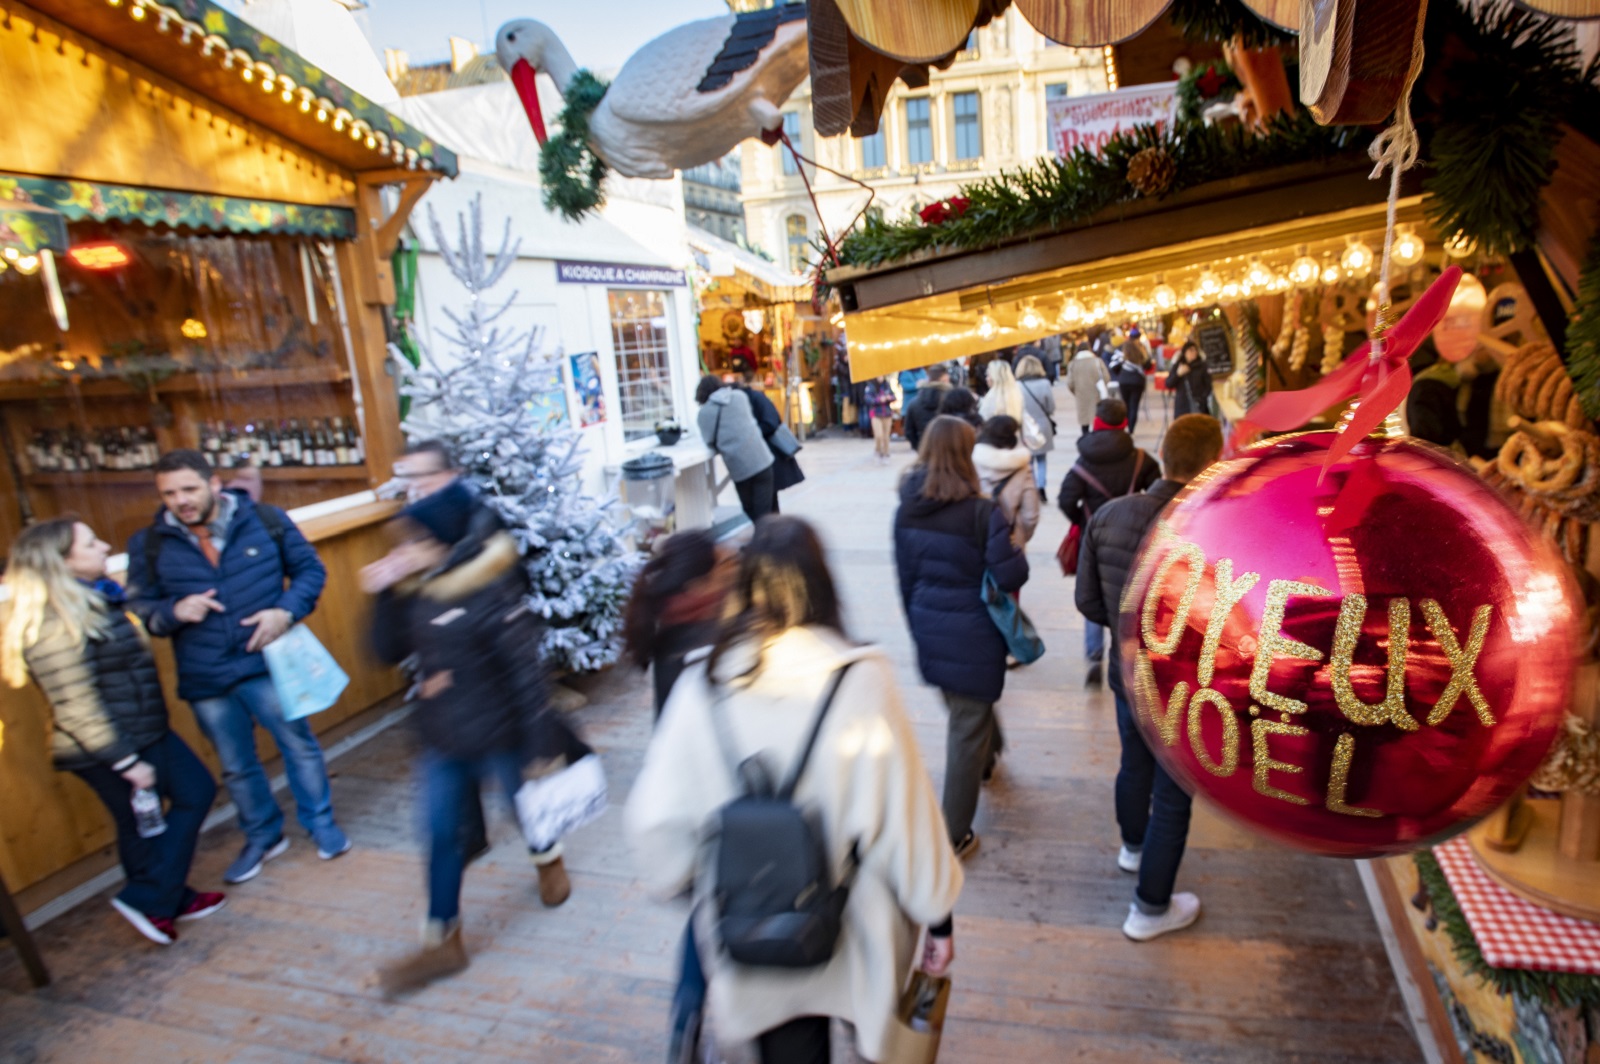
[1381,383]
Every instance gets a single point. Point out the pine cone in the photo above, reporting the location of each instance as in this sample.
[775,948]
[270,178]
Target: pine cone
[1151,171]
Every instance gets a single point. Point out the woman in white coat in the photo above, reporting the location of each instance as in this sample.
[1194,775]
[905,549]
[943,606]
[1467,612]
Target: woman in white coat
[865,780]
[1004,395]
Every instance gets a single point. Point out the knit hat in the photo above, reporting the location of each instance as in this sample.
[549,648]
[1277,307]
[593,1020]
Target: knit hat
[445,514]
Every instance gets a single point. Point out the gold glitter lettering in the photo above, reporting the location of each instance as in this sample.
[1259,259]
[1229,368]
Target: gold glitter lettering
[1229,592]
[1147,560]
[1147,698]
[1230,732]
[1260,730]
[1462,662]
[1340,776]
[1195,557]
[1273,642]
[1347,633]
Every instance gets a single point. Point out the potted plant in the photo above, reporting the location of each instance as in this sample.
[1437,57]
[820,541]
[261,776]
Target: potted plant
[668,431]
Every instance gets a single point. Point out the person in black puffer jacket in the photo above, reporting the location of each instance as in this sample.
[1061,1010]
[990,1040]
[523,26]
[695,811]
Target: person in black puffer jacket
[67,630]
[1152,810]
[925,407]
[946,535]
[1108,466]
[455,598]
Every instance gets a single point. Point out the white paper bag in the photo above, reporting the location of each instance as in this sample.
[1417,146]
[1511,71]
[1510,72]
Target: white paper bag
[551,807]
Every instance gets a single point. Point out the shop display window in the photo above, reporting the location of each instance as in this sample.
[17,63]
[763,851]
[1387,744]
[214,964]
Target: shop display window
[641,339]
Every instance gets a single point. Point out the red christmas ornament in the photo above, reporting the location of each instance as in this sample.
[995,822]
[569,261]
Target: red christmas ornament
[1356,663]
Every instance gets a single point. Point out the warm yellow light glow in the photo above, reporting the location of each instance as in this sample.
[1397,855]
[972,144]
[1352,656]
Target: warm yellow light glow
[1031,320]
[27,265]
[1114,304]
[1460,246]
[1072,311]
[986,326]
[1231,291]
[137,12]
[1163,296]
[1209,284]
[1408,249]
[193,329]
[1330,274]
[1357,259]
[1304,272]
[1258,275]
[248,74]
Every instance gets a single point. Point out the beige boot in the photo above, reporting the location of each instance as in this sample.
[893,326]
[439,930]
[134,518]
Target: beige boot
[442,954]
[554,886]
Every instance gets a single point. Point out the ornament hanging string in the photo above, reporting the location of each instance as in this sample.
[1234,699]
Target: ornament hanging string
[830,250]
[1377,375]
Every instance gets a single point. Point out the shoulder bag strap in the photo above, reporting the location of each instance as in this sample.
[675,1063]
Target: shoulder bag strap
[1090,479]
[1138,462]
[786,792]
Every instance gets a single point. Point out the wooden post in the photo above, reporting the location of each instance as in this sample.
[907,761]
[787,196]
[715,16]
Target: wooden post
[21,938]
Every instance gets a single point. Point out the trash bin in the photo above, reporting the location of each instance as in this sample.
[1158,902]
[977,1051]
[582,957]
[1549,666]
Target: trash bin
[649,490]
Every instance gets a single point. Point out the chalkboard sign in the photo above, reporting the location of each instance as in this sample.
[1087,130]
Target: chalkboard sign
[1216,343]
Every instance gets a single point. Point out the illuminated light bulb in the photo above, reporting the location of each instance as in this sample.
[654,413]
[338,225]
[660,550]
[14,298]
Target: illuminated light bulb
[193,329]
[305,105]
[1114,304]
[1163,296]
[1330,273]
[247,73]
[371,141]
[268,84]
[1357,259]
[322,114]
[1304,271]
[114,3]
[1258,275]
[1231,291]
[1097,312]
[12,254]
[27,265]
[137,12]
[986,326]
[1209,284]
[288,93]
[1408,249]
[1072,311]
[1031,320]
[1460,246]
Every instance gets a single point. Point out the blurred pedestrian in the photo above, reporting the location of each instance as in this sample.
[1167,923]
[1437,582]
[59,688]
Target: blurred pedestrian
[1002,465]
[1128,368]
[947,535]
[1004,395]
[1109,466]
[729,427]
[1189,379]
[67,629]
[762,690]
[786,471]
[1038,403]
[457,601]
[676,605]
[962,404]
[879,400]
[911,382]
[917,415]
[1089,382]
[1152,810]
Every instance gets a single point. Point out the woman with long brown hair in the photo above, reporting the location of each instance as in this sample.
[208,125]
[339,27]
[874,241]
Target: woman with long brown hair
[947,534]
[780,670]
[65,627]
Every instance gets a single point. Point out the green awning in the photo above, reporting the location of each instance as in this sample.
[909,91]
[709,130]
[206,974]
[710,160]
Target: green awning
[29,227]
[79,200]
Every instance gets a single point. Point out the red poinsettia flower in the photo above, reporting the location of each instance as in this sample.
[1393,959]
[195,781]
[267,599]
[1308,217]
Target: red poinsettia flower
[958,205]
[934,213]
[1210,83]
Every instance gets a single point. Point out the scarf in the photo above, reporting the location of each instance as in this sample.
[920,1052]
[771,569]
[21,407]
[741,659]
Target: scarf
[1099,426]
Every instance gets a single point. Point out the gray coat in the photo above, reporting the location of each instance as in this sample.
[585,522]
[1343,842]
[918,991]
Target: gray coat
[1084,373]
[1039,400]
[728,426]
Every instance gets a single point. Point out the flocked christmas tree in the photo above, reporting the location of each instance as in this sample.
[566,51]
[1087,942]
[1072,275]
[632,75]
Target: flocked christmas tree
[498,400]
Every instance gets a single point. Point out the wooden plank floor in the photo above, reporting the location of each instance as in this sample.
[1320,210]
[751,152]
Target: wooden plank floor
[1285,965]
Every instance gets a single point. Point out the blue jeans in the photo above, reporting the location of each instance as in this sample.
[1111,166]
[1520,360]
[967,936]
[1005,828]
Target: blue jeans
[1152,810]
[1039,474]
[447,783]
[229,723]
[1094,642]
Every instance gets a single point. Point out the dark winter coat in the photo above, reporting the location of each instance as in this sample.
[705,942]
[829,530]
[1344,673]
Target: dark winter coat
[1109,456]
[1110,546]
[250,576]
[482,685]
[1191,392]
[941,550]
[923,410]
[104,694]
[786,472]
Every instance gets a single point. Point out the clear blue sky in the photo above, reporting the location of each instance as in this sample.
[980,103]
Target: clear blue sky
[601,34]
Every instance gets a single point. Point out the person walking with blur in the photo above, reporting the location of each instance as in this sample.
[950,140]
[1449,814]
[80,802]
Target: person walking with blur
[947,535]
[1004,395]
[1003,471]
[1038,403]
[879,399]
[786,471]
[1109,466]
[1089,381]
[1152,810]
[67,629]
[782,669]
[1128,368]
[676,605]
[729,427]
[456,602]
[222,577]
[962,405]
[1189,379]
[917,415]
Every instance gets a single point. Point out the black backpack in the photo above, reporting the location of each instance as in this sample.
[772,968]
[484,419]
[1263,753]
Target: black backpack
[776,905]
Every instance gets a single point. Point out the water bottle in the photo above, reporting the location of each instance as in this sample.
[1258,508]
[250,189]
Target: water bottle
[147,813]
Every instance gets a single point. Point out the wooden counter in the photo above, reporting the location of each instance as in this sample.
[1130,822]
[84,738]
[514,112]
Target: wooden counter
[50,823]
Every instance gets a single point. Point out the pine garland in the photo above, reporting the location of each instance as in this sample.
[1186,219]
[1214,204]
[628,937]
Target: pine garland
[1493,149]
[1191,100]
[1052,194]
[1222,20]
[1567,988]
[569,169]
[1583,335]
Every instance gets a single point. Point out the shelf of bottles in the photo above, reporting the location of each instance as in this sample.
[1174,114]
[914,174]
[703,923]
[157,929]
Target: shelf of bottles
[123,448]
[316,443]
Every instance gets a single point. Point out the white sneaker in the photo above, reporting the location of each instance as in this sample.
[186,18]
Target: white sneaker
[1128,860]
[1181,912]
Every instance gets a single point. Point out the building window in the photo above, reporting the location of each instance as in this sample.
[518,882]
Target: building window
[969,134]
[969,50]
[873,155]
[1059,91]
[919,131]
[791,129]
[796,232]
[641,339]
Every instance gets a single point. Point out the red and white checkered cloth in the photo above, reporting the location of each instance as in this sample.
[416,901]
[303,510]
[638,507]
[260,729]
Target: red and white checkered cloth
[1511,932]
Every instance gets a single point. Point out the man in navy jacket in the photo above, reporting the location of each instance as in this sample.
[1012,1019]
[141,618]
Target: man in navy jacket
[222,577]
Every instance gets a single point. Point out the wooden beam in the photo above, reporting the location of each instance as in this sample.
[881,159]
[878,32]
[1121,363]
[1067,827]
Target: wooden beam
[388,234]
[22,939]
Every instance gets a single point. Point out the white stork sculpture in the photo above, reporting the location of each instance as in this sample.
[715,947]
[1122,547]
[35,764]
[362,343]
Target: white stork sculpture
[686,98]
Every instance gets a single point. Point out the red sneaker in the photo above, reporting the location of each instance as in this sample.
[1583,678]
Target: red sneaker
[203,906]
[158,929]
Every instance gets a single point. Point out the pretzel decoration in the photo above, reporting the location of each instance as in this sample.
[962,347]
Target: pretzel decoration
[1536,385]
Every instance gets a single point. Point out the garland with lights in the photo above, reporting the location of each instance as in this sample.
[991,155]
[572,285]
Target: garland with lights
[570,171]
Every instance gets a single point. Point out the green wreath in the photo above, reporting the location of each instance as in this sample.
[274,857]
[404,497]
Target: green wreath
[569,169]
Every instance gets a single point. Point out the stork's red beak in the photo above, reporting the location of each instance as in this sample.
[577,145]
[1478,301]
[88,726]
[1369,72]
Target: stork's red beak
[526,79]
